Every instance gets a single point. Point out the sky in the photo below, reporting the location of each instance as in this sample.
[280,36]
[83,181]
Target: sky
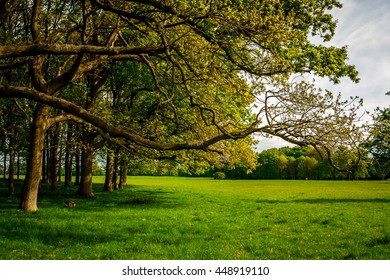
[364,26]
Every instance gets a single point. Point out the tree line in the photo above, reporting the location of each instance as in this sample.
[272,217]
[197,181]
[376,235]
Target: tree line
[287,163]
[188,82]
[304,163]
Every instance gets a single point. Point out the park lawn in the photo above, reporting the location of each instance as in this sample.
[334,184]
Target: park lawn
[201,218]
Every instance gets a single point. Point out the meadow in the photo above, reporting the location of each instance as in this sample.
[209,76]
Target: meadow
[201,218]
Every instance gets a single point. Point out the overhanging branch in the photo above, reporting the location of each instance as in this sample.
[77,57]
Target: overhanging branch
[112,130]
[68,49]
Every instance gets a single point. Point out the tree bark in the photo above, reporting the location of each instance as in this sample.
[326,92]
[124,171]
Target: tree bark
[11,169]
[109,172]
[68,157]
[54,162]
[123,176]
[68,169]
[63,49]
[77,167]
[18,166]
[85,186]
[29,197]
[45,161]
[87,155]
[5,166]
[115,170]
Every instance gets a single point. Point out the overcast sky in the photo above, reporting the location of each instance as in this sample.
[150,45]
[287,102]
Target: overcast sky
[364,26]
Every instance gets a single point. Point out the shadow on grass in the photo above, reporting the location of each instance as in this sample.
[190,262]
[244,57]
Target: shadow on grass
[109,201]
[130,197]
[93,221]
[327,200]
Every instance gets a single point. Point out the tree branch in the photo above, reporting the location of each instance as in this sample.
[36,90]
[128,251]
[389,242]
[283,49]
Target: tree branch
[114,130]
[13,65]
[35,20]
[66,49]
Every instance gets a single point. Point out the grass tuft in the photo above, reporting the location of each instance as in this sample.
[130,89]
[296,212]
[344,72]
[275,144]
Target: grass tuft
[140,200]
[381,241]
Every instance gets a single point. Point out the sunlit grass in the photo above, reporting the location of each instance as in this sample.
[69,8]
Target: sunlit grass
[201,218]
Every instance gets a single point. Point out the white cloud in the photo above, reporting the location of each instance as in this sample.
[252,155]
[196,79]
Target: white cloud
[364,26]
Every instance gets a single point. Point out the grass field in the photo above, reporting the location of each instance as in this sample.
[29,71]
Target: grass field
[201,218]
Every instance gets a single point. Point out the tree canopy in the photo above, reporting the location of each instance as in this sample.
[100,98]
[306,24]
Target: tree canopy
[172,76]
[378,143]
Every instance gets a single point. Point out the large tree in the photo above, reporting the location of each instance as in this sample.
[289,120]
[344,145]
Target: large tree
[378,143]
[213,71]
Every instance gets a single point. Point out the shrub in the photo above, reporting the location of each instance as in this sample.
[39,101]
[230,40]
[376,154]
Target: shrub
[219,175]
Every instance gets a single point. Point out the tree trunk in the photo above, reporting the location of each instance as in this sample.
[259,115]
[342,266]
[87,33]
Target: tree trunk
[109,171]
[5,165]
[68,169]
[85,186]
[59,157]
[68,157]
[123,176]
[18,167]
[11,169]
[54,162]
[115,170]
[77,167]
[87,155]
[44,176]
[29,197]
[49,160]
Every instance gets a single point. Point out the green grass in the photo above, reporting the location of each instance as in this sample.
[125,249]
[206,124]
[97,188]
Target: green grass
[201,218]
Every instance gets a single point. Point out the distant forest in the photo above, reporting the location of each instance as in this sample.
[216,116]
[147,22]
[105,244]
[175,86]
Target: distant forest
[304,163]
[287,163]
